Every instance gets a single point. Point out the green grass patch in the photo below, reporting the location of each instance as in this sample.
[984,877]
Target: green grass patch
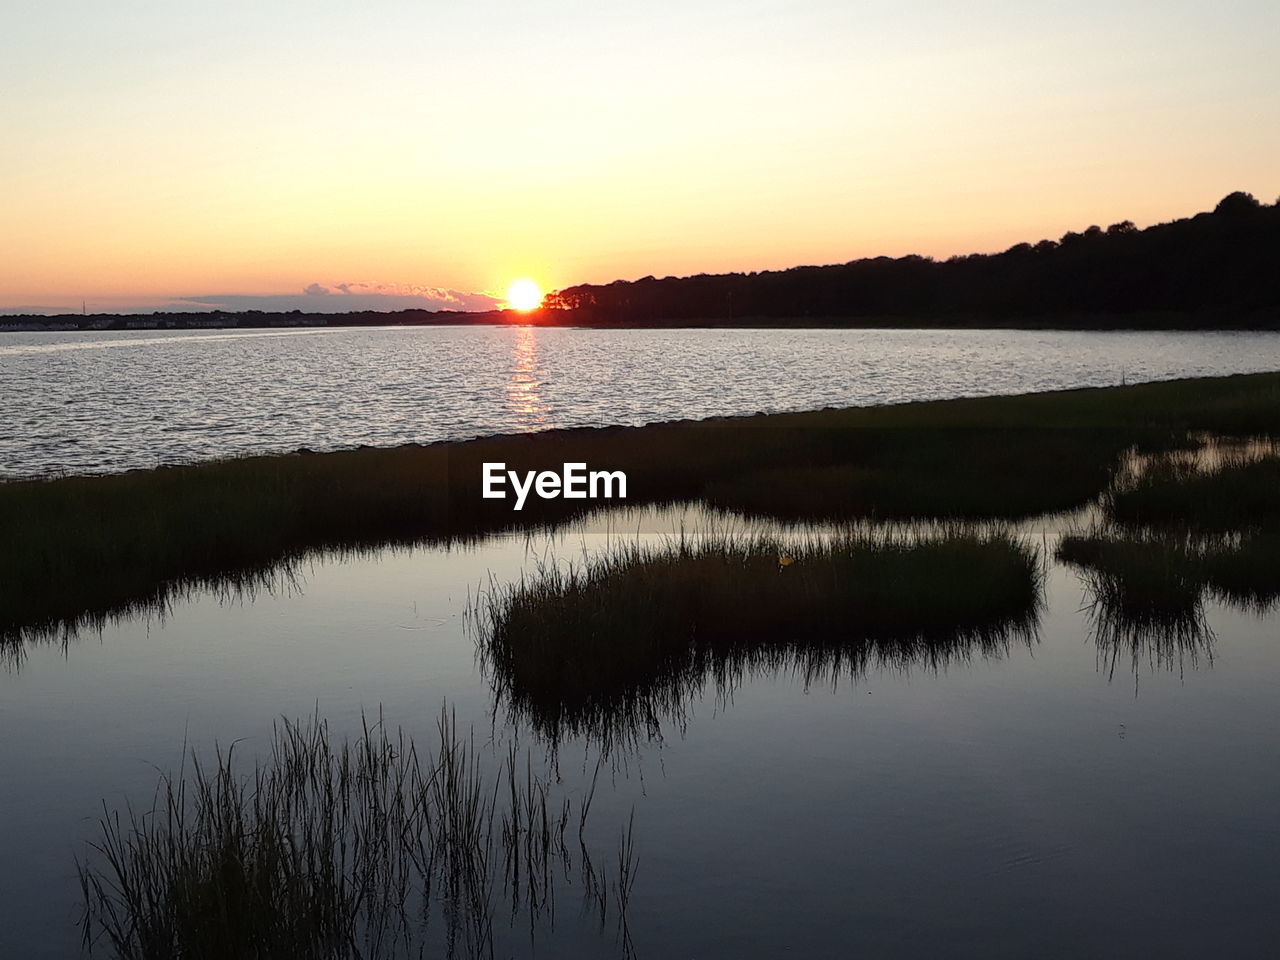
[629,637]
[1179,534]
[961,473]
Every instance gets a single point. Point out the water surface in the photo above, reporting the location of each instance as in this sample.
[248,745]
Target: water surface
[97,401]
[1054,800]
[1081,794]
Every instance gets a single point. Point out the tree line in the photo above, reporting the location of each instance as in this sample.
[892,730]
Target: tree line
[1217,269]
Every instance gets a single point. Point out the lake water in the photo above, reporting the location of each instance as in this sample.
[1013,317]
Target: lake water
[101,402]
[1070,796]
[1061,798]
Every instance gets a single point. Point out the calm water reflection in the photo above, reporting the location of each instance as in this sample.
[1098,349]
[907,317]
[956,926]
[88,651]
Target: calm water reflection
[1027,803]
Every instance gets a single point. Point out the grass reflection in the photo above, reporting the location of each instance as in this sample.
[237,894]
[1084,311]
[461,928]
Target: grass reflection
[1179,532]
[612,648]
[341,849]
[1148,586]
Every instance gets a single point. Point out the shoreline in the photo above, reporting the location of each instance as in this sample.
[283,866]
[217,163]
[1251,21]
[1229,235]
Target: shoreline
[1149,322]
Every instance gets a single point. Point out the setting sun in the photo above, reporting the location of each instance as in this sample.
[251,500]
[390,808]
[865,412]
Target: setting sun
[524,294]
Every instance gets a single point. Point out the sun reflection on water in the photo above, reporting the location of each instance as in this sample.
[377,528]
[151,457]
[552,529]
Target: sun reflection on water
[525,398]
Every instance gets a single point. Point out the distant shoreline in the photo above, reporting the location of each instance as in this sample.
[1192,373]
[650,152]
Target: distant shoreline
[255,320]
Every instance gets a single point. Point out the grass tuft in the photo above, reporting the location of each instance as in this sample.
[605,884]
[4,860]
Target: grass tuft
[612,646]
[352,849]
[1237,495]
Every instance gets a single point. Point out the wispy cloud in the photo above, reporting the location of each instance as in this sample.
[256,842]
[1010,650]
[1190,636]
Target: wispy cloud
[314,298]
[349,296]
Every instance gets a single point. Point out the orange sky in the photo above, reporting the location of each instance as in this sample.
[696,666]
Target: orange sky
[183,150]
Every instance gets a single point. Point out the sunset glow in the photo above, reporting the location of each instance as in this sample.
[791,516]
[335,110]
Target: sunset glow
[231,162]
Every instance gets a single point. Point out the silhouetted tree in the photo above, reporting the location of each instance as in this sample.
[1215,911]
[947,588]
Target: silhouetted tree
[1237,203]
[1220,265]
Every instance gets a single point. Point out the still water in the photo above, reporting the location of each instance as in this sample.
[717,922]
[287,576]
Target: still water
[101,402]
[1058,799]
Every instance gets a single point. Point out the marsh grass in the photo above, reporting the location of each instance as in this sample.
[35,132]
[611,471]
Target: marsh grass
[81,549]
[1147,587]
[967,473]
[1239,493]
[1159,574]
[236,587]
[1145,597]
[612,646]
[1141,579]
[327,849]
[1184,528]
[1245,571]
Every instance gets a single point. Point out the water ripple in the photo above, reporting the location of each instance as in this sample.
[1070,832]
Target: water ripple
[69,406]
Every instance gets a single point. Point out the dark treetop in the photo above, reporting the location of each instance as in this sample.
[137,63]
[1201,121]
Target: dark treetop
[1215,269]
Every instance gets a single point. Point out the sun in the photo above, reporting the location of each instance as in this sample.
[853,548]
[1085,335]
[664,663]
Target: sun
[524,294]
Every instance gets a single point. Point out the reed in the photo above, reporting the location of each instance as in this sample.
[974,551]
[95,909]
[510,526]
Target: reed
[967,473]
[1140,579]
[1160,576]
[612,646]
[1183,528]
[1242,493]
[352,849]
[1147,586]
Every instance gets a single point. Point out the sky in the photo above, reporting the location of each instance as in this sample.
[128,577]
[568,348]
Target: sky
[340,155]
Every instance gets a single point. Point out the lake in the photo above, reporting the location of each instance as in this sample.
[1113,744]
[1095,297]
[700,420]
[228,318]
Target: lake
[104,402]
[1066,794]
[1089,785]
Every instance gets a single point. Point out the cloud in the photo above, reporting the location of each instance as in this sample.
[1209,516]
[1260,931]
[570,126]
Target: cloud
[351,296]
[348,297]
